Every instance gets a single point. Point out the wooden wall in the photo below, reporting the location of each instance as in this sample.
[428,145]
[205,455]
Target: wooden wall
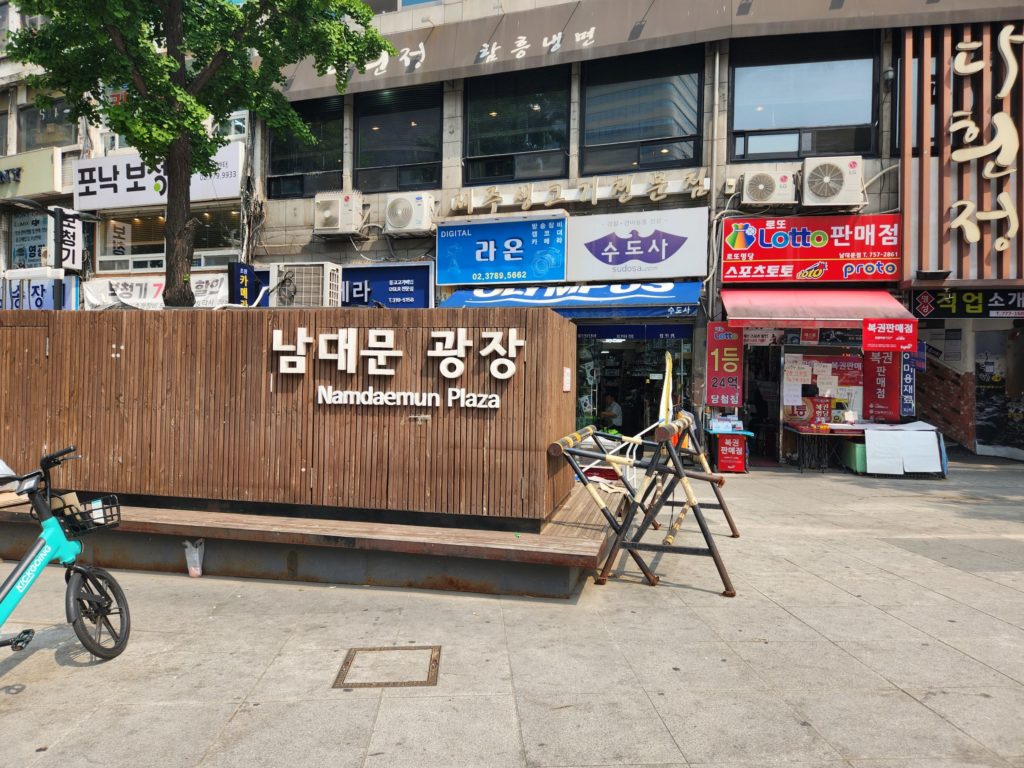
[190,404]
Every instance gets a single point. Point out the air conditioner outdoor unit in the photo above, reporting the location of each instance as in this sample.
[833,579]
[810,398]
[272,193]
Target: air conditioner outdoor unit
[768,188]
[409,214]
[833,181]
[338,213]
[316,284]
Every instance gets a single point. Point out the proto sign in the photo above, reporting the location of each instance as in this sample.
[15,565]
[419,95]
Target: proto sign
[882,335]
[376,349]
[812,249]
[725,366]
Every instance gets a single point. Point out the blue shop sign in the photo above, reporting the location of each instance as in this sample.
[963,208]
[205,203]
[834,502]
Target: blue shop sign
[391,286]
[514,250]
[37,293]
[243,286]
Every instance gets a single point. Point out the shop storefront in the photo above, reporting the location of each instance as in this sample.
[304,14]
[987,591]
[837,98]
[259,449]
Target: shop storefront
[617,276]
[973,386]
[798,362]
[130,247]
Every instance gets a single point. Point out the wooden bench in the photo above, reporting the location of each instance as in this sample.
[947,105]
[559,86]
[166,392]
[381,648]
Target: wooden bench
[575,535]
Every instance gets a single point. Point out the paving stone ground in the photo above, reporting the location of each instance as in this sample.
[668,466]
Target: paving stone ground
[879,624]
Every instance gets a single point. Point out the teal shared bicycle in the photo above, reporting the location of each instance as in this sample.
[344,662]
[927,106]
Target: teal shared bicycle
[95,603]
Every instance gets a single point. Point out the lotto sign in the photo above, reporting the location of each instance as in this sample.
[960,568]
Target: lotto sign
[812,249]
[512,250]
[882,386]
[732,453]
[881,335]
[725,366]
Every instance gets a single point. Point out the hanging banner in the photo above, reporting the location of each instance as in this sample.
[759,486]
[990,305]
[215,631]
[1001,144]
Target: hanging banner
[210,289]
[725,366]
[812,249]
[882,386]
[882,335]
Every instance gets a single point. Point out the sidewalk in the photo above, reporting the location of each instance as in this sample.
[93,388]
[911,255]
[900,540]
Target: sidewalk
[877,623]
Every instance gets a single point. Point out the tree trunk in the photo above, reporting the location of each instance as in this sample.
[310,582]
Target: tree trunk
[179,231]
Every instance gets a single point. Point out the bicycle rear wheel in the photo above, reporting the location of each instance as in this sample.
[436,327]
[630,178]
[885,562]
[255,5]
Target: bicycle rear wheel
[98,612]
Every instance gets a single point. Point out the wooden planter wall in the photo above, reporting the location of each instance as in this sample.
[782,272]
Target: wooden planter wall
[190,404]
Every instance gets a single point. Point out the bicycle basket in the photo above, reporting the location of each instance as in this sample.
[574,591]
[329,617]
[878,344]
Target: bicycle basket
[78,521]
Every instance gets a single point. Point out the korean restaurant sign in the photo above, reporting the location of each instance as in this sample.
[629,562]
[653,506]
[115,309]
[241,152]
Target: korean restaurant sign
[979,303]
[725,366]
[645,245]
[375,348]
[887,335]
[123,181]
[812,249]
[514,249]
[996,158]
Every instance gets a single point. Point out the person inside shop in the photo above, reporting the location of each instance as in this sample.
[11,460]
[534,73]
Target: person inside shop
[611,416]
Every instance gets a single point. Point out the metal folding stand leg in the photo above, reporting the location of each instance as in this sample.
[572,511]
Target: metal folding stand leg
[648,497]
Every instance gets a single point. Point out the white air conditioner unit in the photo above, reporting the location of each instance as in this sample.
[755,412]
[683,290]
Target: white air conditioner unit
[409,214]
[768,188]
[316,284]
[338,213]
[833,181]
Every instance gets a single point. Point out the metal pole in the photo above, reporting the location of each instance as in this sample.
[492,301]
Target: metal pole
[58,240]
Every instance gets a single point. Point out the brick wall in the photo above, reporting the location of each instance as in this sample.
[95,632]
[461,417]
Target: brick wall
[945,398]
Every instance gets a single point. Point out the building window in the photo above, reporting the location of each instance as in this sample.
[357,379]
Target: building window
[298,169]
[642,112]
[234,127]
[798,98]
[398,139]
[915,105]
[517,126]
[40,127]
[5,15]
[134,240]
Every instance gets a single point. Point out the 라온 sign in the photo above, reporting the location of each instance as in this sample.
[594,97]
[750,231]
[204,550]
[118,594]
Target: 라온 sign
[812,249]
[643,245]
[725,365]
[883,335]
[517,249]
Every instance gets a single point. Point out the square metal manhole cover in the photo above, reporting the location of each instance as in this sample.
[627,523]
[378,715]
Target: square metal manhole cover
[389,667]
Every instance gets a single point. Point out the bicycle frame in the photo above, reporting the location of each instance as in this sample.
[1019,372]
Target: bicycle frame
[52,545]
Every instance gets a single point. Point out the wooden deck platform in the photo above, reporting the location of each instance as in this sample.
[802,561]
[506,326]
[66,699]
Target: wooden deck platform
[575,537]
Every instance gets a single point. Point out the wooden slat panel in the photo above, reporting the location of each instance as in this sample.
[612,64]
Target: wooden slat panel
[924,145]
[964,98]
[986,261]
[943,146]
[906,152]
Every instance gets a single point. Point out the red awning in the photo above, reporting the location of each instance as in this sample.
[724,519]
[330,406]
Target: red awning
[782,308]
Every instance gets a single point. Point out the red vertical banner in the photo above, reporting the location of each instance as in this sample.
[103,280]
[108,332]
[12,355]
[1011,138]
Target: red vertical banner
[725,366]
[882,386]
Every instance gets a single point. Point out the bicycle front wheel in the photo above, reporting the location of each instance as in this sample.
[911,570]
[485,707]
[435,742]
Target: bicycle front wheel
[98,612]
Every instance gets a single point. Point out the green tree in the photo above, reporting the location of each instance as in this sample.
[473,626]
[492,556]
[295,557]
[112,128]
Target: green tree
[182,62]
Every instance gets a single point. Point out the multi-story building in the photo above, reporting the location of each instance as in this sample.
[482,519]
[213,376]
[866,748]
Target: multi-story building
[635,129]
[666,172]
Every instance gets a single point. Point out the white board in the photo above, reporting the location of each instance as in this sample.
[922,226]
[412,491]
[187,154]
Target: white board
[883,452]
[920,452]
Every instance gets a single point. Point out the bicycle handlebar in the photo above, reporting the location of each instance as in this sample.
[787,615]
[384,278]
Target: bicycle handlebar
[53,459]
